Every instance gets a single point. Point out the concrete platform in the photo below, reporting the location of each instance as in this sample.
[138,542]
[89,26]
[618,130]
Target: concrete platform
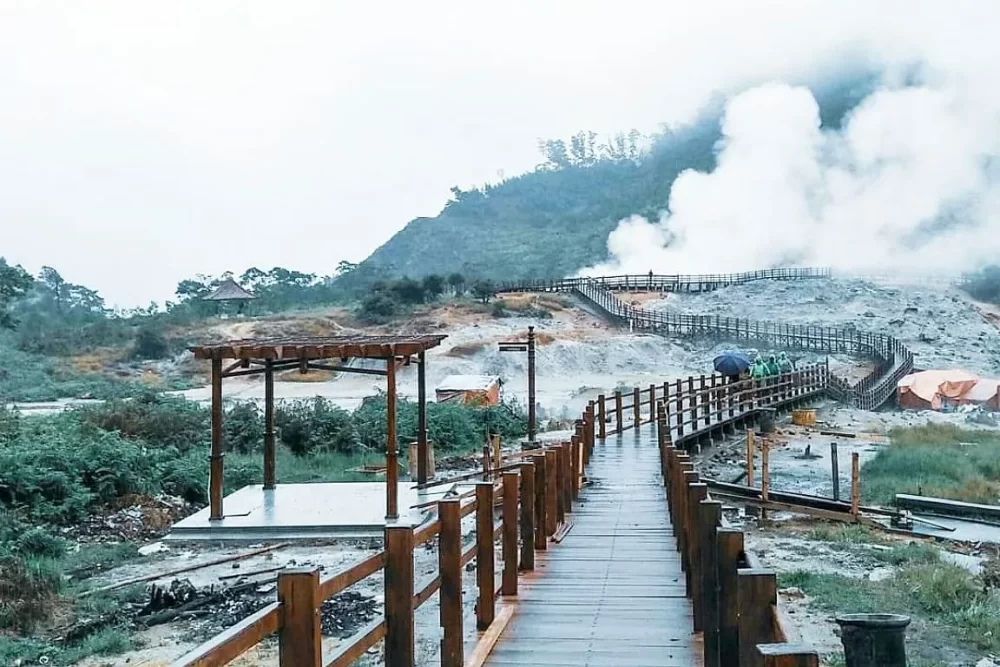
[304,511]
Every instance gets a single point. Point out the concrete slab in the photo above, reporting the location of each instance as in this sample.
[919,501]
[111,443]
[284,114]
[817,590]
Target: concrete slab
[304,511]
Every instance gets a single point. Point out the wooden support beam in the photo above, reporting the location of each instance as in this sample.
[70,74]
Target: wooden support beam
[391,447]
[541,503]
[551,492]
[510,521]
[730,553]
[485,558]
[697,492]
[527,506]
[398,585]
[757,593]
[423,456]
[710,519]
[855,485]
[602,423]
[299,640]
[216,458]
[269,449]
[450,570]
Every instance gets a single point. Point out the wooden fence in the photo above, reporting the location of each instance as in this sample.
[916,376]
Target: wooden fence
[663,283]
[893,360]
[533,490]
[735,602]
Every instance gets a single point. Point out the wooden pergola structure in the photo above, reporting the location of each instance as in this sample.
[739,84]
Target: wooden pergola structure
[264,356]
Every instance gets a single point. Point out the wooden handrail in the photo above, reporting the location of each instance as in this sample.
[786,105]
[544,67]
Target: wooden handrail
[227,646]
[372,634]
[345,579]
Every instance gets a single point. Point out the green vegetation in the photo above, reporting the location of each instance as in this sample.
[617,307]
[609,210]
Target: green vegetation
[936,460]
[56,469]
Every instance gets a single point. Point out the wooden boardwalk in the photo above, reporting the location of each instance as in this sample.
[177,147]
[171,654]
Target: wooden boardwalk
[612,593]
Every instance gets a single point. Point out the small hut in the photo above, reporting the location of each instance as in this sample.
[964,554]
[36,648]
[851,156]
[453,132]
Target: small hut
[230,292]
[469,389]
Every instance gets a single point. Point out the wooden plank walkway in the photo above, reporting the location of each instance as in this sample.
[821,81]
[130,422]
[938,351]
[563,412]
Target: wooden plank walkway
[612,593]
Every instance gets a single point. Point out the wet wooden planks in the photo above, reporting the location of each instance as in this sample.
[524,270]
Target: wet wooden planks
[612,593]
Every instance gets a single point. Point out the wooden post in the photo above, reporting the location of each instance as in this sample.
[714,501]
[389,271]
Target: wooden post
[423,457]
[398,585]
[299,641]
[692,403]
[485,603]
[269,452]
[532,425]
[730,551]
[496,457]
[510,519]
[391,450]
[216,458]
[636,407]
[560,484]
[685,474]
[679,394]
[711,517]
[705,400]
[569,482]
[750,456]
[855,485]
[574,464]
[527,496]
[652,402]
[602,423]
[541,504]
[788,655]
[696,493]
[757,593]
[618,412]
[765,470]
[450,569]
[835,470]
[551,492]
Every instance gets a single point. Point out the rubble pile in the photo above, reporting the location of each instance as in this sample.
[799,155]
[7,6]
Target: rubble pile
[132,518]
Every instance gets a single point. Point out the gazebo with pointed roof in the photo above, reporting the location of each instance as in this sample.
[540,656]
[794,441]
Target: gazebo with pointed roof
[229,290]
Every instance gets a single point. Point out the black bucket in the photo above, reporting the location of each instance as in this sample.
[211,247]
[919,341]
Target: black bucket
[765,419]
[874,640]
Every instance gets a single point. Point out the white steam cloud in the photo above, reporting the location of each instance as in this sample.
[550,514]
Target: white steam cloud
[911,183]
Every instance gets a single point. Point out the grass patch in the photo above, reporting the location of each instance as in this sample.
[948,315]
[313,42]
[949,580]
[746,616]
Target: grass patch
[951,608]
[936,460]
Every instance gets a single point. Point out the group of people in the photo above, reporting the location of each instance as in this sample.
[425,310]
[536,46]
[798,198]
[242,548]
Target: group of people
[772,367]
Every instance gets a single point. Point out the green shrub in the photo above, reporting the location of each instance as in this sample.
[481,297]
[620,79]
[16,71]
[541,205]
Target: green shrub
[243,427]
[156,419]
[150,344]
[316,425]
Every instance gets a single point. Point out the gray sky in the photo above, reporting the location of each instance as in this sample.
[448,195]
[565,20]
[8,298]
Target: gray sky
[142,143]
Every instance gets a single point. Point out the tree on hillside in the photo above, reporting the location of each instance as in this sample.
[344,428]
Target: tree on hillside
[457,283]
[344,267]
[555,154]
[14,284]
[407,290]
[433,285]
[483,290]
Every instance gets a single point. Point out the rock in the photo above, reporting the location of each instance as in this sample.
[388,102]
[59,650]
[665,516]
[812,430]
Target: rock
[896,323]
[869,313]
[986,662]
[154,548]
[792,593]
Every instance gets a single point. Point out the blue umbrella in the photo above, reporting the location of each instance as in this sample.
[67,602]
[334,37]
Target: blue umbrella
[731,363]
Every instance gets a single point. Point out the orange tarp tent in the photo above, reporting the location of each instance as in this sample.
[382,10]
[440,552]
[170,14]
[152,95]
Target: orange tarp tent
[929,390]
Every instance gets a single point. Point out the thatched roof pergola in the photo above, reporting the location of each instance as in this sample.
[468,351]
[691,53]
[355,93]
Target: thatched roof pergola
[256,356]
[229,290]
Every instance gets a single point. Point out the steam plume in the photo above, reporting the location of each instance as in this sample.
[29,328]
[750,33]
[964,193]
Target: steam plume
[909,183]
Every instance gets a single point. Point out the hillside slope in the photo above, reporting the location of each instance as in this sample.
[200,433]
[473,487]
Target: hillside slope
[554,221]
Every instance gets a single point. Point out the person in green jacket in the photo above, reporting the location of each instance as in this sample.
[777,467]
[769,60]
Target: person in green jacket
[785,364]
[772,366]
[759,370]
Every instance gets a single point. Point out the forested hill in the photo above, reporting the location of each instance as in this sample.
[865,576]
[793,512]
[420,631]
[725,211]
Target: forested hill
[556,219]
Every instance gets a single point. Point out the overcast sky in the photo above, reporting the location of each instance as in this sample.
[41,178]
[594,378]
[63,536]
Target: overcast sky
[144,142]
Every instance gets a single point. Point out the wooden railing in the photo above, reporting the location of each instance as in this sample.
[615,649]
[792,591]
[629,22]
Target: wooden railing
[735,603]
[664,283]
[893,359]
[706,406]
[534,497]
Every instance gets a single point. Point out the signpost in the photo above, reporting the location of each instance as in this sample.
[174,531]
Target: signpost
[529,347]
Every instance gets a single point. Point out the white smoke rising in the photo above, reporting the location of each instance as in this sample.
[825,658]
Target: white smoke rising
[910,183]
